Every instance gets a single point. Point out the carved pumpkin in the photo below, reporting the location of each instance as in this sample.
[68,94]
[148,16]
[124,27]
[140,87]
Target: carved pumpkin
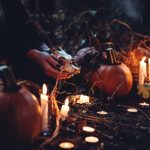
[20,113]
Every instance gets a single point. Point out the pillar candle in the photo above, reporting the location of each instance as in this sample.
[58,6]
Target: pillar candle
[83,99]
[142,71]
[44,107]
[149,69]
[65,109]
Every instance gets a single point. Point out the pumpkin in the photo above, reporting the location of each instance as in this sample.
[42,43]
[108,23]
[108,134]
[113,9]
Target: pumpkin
[112,80]
[102,70]
[20,112]
[106,78]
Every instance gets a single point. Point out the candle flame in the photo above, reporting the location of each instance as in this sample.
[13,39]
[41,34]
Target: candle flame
[66,101]
[44,89]
[143,59]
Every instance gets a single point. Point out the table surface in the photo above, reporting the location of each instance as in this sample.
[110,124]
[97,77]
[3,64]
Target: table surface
[118,130]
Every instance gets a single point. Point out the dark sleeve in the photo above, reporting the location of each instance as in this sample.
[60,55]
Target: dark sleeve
[21,34]
[15,13]
[15,20]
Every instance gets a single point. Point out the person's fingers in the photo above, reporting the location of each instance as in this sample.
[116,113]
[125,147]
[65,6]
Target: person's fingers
[50,66]
[50,71]
[53,62]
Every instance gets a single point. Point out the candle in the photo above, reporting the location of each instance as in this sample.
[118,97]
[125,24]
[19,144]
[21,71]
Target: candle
[102,112]
[142,71]
[44,107]
[66,145]
[65,109]
[83,99]
[132,110]
[91,139]
[144,104]
[88,129]
[149,69]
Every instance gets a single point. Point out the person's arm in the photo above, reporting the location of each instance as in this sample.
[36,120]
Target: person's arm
[50,66]
[25,36]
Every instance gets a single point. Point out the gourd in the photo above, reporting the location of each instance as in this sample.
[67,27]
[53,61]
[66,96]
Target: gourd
[105,74]
[20,112]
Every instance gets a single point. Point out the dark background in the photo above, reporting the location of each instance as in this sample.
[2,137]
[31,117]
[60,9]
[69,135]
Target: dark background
[135,12]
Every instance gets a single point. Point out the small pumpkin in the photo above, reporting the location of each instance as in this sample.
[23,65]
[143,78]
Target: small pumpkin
[104,72]
[112,80]
[108,78]
[20,112]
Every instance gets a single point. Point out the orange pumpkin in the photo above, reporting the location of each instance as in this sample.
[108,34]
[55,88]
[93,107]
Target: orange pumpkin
[113,80]
[20,113]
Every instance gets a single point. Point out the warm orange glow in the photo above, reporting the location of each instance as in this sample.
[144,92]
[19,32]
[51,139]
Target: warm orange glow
[66,102]
[44,89]
[143,59]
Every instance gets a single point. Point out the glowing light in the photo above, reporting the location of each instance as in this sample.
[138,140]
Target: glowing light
[102,112]
[132,110]
[91,139]
[144,104]
[66,145]
[83,99]
[44,107]
[65,109]
[88,129]
[66,101]
[44,89]
[142,71]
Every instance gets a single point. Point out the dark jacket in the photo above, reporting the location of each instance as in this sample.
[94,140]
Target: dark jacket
[18,34]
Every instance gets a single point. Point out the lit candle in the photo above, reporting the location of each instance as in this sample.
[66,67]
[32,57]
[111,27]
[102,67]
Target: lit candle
[102,112]
[65,109]
[44,107]
[149,69]
[142,71]
[66,145]
[132,110]
[144,104]
[88,129]
[91,139]
[83,99]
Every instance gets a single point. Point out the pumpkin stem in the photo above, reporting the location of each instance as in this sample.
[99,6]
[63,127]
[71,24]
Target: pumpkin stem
[107,45]
[8,79]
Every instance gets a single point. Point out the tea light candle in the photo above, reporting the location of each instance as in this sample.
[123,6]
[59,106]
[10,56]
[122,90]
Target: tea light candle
[66,145]
[102,112]
[83,99]
[142,71]
[132,110]
[144,104]
[65,109]
[91,139]
[44,107]
[88,129]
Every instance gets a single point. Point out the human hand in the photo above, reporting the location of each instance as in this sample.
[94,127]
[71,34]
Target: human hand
[49,65]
